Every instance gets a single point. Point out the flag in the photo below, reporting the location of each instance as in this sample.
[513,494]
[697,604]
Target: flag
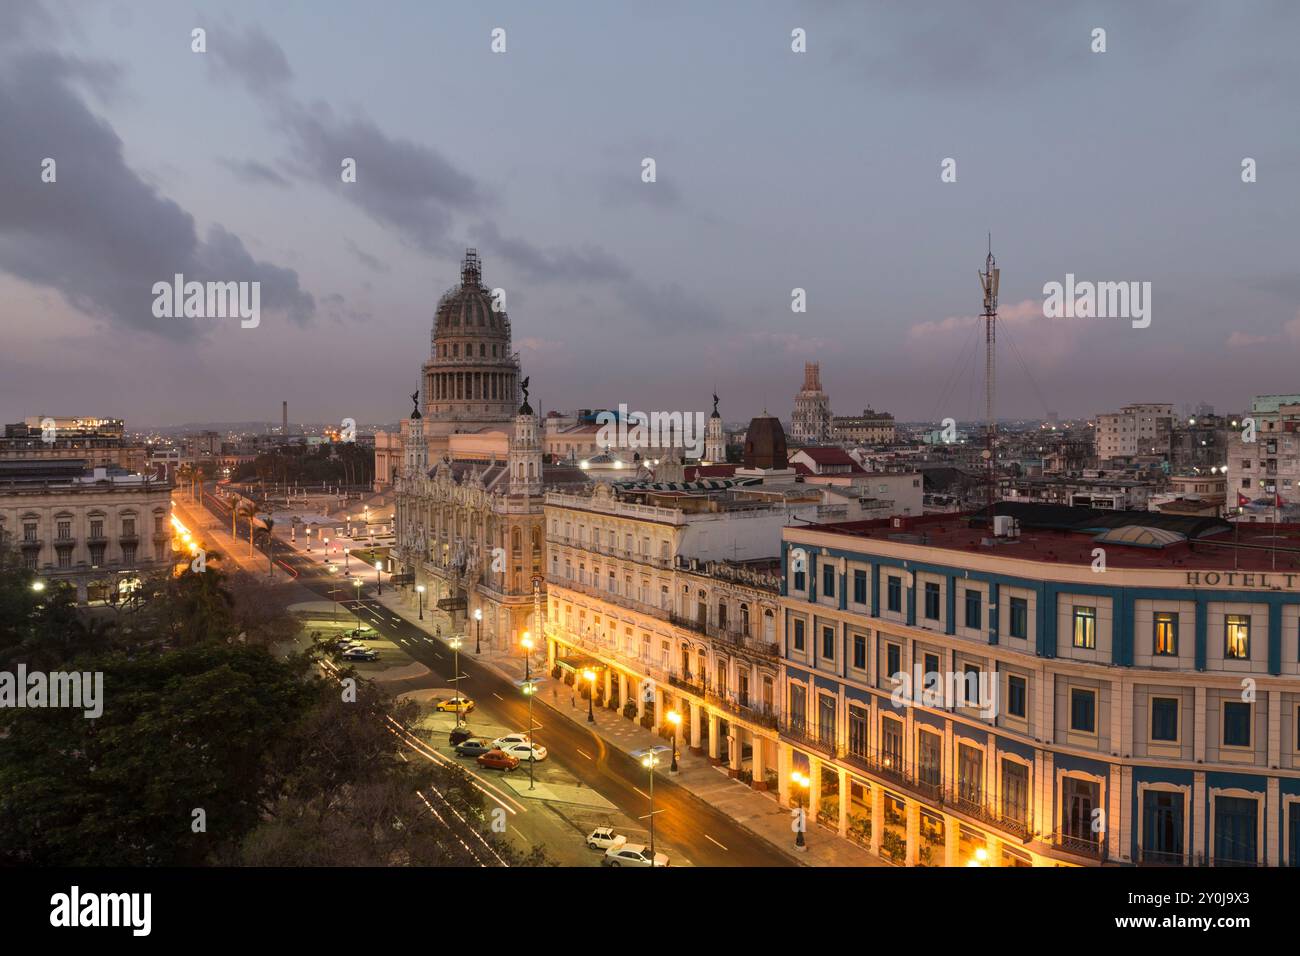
[1277,499]
[1242,500]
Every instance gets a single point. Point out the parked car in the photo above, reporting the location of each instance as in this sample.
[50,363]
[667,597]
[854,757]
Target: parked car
[632,854]
[498,760]
[360,654]
[449,706]
[473,747]
[603,838]
[510,739]
[526,751]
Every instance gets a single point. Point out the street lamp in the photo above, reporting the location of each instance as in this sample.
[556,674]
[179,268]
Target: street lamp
[308,537]
[379,583]
[454,643]
[478,630]
[419,589]
[527,642]
[649,758]
[346,553]
[357,583]
[529,687]
[802,783]
[590,676]
[38,586]
[674,718]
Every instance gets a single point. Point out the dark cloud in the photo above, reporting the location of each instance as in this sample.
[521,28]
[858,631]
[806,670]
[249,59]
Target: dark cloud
[251,171]
[545,265]
[373,263]
[249,55]
[100,234]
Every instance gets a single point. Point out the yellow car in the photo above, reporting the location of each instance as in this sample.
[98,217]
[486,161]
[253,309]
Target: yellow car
[454,705]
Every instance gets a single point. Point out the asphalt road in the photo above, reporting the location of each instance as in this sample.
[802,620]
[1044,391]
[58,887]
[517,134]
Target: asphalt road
[710,837]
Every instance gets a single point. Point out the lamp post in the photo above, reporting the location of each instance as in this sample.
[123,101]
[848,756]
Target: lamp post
[454,643]
[379,581]
[419,589]
[333,569]
[250,521]
[527,643]
[346,554]
[478,630]
[327,548]
[801,782]
[357,583]
[529,688]
[590,676]
[649,758]
[675,719]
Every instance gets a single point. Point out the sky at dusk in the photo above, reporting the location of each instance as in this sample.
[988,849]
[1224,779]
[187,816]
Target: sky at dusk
[775,170]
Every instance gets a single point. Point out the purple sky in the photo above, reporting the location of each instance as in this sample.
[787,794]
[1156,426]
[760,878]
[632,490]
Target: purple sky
[775,170]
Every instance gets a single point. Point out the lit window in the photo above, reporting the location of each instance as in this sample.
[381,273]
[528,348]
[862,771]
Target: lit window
[1085,627]
[1166,636]
[1236,637]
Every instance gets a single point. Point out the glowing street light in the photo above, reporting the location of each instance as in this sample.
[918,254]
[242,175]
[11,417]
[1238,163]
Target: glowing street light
[674,718]
[649,758]
[454,643]
[527,643]
[802,783]
[590,676]
[419,589]
[38,586]
[379,583]
[478,630]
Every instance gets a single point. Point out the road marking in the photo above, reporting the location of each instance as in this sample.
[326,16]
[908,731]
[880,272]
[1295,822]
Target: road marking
[713,841]
[584,753]
[497,696]
[398,620]
[437,655]
[642,792]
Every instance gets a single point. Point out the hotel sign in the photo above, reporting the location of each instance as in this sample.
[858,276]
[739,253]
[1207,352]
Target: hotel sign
[1243,579]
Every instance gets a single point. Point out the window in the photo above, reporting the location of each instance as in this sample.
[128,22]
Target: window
[857,731]
[859,586]
[826,719]
[891,741]
[828,580]
[828,643]
[1162,826]
[929,758]
[29,531]
[973,616]
[1083,710]
[1236,637]
[800,583]
[859,652]
[931,601]
[798,706]
[1085,627]
[97,527]
[1015,791]
[1017,695]
[1164,719]
[970,774]
[1236,723]
[1236,829]
[65,558]
[930,674]
[65,530]
[798,634]
[893,660]
[128,554]
[1166,636]
[96,554]
[895,596]
[1019,618]
[128,527]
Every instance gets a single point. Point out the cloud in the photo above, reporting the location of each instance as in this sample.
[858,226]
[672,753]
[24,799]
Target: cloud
[251,171]
[1290,333]
[100,234]
[250,55]
[1049,342]
[791,343]
[373,263]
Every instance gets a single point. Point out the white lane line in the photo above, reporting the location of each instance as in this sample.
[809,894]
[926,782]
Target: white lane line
[398,620]
[497,696]
[437,655]
[584,753]
[713,841]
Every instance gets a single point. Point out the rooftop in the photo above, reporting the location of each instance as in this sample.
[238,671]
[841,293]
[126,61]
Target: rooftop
[1140,540]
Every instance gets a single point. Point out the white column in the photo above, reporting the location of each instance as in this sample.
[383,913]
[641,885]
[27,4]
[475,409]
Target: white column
[697,713]
[844,801]
[713,737]
[759,766]
[784,767]
[877,817]
[912,814]
[951,840]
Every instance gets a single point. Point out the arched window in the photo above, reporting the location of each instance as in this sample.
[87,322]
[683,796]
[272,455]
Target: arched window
[744,619]
[769,626]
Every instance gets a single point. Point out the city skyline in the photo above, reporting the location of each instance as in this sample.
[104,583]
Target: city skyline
[690,276]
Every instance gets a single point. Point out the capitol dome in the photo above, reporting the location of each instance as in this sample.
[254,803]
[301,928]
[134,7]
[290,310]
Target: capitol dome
[466,310]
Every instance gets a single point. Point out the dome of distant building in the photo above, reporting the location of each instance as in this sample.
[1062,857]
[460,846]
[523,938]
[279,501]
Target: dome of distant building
[466,310]
[765,444]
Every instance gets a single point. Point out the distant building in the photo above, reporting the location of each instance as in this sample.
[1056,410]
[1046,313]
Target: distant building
[869,428]
[1265,473]
[1135,430]
[812,408]
[98,442]
[99,529]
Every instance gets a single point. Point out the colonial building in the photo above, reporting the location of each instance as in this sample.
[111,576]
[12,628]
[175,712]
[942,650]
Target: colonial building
[966,695]
[468,472]
[98,529]
[1134,431]
[672,597]
[869,428]
[98,442]
[812,408]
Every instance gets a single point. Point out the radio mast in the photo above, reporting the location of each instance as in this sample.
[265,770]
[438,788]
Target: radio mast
[989,284]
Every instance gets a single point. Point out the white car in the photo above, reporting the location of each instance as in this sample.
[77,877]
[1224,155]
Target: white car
[603,838]
[632,854]
[526,751]
[509,740]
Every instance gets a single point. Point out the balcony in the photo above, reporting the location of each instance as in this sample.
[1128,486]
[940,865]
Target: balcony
[727,633]
[801,733]
[1087,844]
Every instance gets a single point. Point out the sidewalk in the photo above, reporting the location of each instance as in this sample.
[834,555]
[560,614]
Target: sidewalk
[757,812]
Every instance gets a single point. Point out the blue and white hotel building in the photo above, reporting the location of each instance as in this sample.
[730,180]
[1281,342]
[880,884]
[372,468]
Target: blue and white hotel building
[1125,688]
